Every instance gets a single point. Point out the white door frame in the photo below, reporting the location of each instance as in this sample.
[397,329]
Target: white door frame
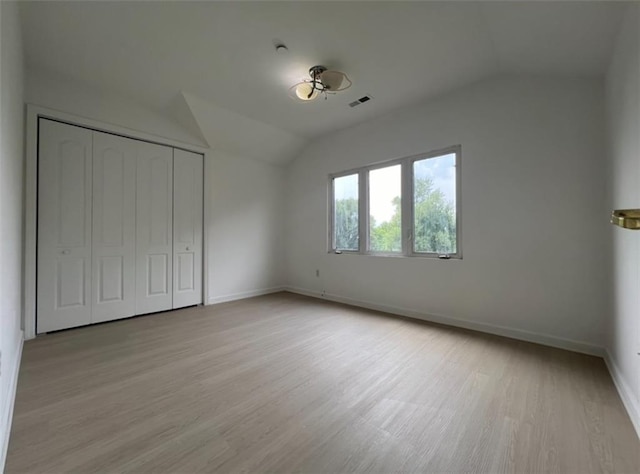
[35,112]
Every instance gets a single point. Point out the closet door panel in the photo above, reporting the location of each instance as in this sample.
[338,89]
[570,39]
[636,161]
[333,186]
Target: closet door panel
[114,168]
[154,223]
[64,226]
[187,228]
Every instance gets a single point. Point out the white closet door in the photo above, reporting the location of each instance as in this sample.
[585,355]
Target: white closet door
[154,228]
[64,227]
[114,231]
[187,228]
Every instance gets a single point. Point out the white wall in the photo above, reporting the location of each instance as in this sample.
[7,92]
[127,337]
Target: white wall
[623,125]
[246,253]
[244,197]
[533,217]
[11,199]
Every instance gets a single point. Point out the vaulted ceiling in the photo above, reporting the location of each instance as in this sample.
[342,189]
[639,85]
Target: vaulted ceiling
[220,56]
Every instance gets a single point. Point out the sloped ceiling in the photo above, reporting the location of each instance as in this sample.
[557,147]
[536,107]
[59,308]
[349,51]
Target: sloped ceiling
[242,135]
[222,55]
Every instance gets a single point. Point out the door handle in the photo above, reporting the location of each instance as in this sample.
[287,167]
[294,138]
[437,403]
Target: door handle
[626,218]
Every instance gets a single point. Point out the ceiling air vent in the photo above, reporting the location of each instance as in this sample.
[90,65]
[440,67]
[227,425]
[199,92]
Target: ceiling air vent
[361,100]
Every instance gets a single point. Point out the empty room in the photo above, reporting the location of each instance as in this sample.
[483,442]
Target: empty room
[319,237]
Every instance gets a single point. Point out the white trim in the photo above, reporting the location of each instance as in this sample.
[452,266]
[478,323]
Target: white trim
[207,191]
[626,394]
[30,225]
[522,335]
[245,294]
[39,111]
[7,410]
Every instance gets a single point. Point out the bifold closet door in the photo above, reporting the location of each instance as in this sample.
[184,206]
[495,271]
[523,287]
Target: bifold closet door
[114,227]
[154,228]
[187,228]
[64,226]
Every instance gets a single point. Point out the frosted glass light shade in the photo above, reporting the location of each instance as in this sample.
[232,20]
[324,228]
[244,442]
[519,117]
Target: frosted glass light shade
[332,80]
[335,81]
[304,89]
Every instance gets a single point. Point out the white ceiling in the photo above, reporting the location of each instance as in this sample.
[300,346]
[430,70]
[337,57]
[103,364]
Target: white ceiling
[223,53]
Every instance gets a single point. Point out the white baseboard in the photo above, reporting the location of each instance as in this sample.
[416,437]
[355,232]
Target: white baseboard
[244,294]
[7,410]
[544,339]
[629,401]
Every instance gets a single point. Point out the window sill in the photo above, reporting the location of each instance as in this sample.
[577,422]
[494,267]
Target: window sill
[395,255]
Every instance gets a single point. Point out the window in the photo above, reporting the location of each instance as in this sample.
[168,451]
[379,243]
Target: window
[346,213]
[407,207]
[385,213]
[434,205]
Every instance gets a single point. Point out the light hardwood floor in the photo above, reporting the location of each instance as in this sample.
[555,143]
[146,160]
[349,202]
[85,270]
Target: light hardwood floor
[285,383]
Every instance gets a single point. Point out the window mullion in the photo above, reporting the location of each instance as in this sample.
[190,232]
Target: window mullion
[406,200]
[363,207]
[332,216]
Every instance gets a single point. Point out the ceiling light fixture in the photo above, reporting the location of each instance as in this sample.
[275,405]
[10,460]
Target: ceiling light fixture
[322,82]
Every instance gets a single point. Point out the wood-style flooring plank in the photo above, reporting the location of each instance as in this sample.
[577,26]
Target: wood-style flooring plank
[286,383]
